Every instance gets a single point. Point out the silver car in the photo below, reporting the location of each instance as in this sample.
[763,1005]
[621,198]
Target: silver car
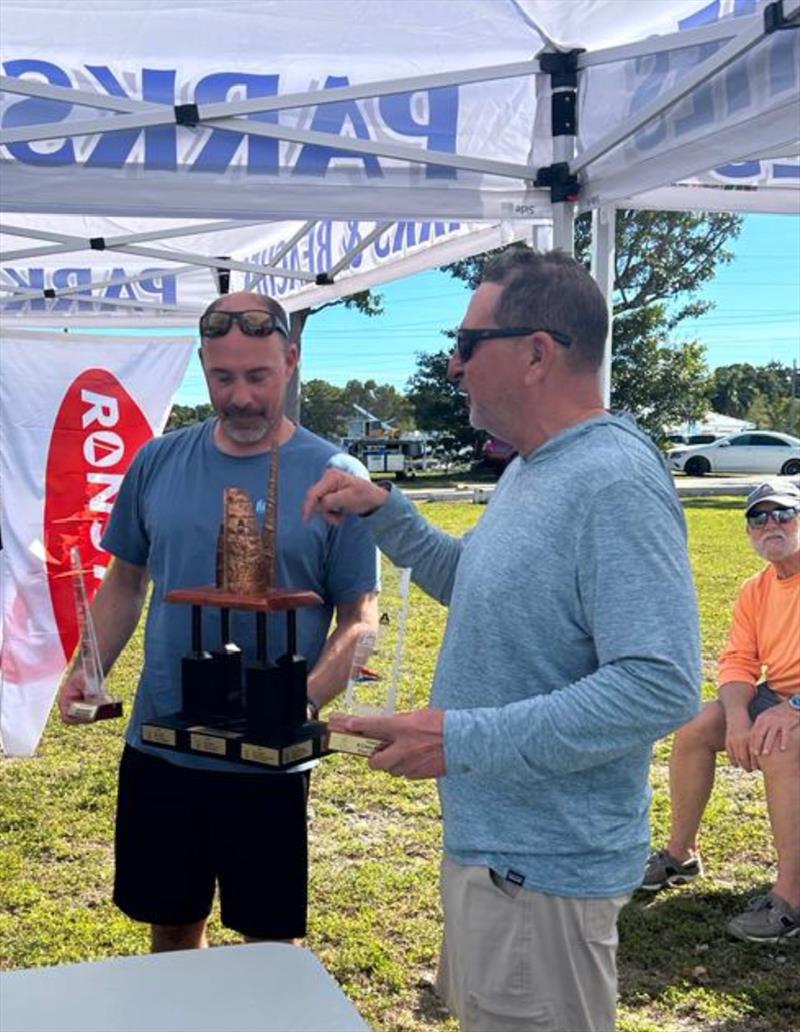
[754,451]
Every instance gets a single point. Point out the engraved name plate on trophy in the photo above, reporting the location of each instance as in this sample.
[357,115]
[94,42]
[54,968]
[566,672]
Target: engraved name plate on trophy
[96,704]
[375,673]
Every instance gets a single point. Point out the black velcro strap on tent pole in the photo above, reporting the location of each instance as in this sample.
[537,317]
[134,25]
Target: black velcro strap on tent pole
[223,275]
[97,243]
[49,293]
[324,279]
[563,71]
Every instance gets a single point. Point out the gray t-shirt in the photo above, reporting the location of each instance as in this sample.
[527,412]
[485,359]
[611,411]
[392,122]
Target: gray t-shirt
[167,517]
[572,644]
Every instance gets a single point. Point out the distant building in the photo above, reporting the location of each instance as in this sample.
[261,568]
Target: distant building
[710,427]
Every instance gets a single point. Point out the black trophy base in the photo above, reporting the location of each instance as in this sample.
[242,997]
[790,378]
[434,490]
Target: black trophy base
[228,738]
[90,712]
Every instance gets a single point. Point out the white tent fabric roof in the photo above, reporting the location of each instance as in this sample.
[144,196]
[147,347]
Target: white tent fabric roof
[120,119]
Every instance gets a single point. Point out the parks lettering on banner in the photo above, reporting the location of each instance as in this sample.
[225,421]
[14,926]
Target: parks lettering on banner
[399,116]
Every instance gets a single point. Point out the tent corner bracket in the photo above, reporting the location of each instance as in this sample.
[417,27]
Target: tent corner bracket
[562,66]
[776,21]
[564,185]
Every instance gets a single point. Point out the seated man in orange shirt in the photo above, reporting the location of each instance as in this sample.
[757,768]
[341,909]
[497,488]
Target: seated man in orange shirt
[756,720]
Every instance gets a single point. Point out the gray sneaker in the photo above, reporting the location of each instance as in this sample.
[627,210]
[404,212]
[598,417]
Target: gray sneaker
[663,869]
[767,919]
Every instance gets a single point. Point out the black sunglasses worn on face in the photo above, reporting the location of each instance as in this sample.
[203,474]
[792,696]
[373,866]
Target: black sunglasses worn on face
[468,340]
[254,322]
[759,519]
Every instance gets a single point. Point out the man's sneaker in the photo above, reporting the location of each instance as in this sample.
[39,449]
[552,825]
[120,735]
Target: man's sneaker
[767,919]
[663,869]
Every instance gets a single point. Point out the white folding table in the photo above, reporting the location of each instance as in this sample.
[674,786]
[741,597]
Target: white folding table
[261,987]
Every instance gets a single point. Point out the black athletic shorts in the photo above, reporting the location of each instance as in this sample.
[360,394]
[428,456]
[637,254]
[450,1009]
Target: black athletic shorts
[764,699]
[180,831]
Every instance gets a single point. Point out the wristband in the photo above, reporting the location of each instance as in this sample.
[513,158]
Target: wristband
[387,487]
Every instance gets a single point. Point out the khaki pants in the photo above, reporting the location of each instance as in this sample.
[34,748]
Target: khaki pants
[514,960]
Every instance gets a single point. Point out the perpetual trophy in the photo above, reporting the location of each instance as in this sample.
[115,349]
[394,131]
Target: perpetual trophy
[256,712]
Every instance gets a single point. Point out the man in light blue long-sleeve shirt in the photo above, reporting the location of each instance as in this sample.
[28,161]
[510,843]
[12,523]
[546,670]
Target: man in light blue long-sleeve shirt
[571,646]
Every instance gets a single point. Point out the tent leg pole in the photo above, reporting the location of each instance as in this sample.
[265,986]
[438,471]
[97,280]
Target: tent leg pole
[603,270]
[564,227]
[564,211]
[562,68]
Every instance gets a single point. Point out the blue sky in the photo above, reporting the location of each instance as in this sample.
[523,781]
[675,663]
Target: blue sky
[756,318]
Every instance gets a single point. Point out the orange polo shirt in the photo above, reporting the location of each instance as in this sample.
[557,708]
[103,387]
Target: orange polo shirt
[764,639]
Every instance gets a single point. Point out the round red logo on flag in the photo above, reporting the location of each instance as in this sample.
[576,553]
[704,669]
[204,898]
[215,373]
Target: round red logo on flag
[97,431]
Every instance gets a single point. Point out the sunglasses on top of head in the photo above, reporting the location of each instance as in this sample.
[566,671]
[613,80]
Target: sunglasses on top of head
[468,339]
[760,519]
[254,322]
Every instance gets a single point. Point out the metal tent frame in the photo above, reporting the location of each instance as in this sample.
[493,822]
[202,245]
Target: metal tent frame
[562,181]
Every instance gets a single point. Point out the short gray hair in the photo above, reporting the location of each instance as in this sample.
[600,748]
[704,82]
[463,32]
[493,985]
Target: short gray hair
[551,291]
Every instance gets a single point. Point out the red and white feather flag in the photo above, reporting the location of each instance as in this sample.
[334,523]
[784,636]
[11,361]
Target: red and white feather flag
[74,410]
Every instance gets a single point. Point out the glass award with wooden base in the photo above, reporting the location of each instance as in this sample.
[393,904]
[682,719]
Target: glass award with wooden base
[376,670]
[96,704]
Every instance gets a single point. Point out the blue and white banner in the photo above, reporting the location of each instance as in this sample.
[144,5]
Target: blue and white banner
[140,54]
[115,288]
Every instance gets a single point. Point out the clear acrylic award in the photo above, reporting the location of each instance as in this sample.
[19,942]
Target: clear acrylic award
[376,672]
[96,704]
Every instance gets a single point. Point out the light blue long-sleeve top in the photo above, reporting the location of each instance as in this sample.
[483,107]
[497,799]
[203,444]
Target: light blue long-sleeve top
[571,645]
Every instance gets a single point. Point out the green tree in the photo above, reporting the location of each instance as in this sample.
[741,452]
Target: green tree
[662,260]
[381,399]
[439,406]
[186,415]
[736,387]
[327,409]
[363,301]
[681,373]
[323,408]
[781,413]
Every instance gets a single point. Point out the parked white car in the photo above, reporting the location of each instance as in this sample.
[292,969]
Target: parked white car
[754,451]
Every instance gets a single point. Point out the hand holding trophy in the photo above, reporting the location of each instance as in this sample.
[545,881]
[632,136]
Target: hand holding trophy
[83,696]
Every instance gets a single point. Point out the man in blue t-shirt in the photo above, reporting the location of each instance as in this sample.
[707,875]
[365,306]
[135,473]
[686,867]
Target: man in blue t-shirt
[186,823]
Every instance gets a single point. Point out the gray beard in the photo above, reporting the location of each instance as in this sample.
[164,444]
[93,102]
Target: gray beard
[246,435]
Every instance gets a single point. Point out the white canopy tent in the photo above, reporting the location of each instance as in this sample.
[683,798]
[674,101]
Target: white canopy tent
[312,148]
[128,179]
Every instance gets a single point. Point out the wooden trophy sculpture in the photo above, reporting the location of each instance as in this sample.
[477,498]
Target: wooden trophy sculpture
[255,713]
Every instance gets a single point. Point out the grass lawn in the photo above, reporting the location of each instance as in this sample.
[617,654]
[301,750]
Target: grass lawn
[375,841]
